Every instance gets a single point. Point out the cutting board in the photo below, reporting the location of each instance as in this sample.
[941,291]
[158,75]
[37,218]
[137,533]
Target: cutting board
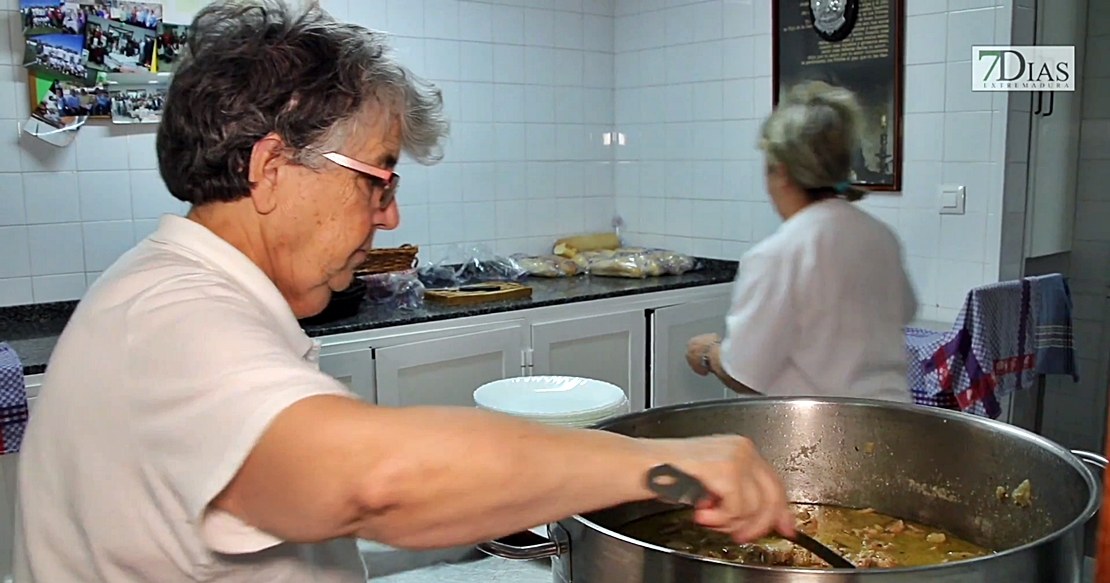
[454,297]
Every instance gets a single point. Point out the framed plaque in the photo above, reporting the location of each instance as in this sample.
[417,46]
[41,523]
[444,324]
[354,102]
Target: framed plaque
[858,45]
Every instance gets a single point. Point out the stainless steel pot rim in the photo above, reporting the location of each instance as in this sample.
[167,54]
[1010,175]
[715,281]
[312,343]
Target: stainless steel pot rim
[1092,504]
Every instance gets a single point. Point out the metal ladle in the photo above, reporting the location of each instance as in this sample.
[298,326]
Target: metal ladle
[674,486]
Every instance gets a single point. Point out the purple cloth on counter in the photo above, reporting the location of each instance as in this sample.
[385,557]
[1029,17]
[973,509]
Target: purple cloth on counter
[13,400]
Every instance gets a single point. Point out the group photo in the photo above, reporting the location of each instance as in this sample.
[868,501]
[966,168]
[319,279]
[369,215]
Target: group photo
[171,40]
[144,14]
[136,105]
[118,48]
[42,16]
[56,53]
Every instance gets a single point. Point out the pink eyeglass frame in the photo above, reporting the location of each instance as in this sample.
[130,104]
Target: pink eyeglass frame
[392,179]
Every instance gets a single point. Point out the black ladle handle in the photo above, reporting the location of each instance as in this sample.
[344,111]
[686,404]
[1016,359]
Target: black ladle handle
[675,486]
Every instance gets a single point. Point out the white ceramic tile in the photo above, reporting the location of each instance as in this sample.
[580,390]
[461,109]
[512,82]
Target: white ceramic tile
[926,39]
[569,30]
[967,137]
[598,70]
[373,14]
[508,64]
[51,197]
[39,156]
[56,249]
[918,7]
[99,148]
[539,64]
[476,62]
[955,279]
[442,59]
[968,28]
[597,33]
[736,18]
[962,237]
[58,288]
[104,242]
[507,24]
[16,291]
[925,88]
[444,226]
[569,67]
[958,94]
[441,19]
[12,211]
[104,196]
[15,255]
[141,154]
[509,103]
[539,27]
[475,21]
[149,197]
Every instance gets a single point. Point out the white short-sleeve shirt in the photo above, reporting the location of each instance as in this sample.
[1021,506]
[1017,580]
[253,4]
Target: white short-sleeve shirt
[168,373]
[819,309]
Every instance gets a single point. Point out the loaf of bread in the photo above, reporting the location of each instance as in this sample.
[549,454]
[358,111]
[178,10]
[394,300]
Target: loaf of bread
[547,265]
[571,246]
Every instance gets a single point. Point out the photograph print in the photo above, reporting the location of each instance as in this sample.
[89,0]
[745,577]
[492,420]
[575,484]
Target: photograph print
[171,41]
[116,47]
[142,14]
[61,103]
[42,16]
[77,13]
[137,99]
[58,53]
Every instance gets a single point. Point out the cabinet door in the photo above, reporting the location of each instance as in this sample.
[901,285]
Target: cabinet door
[672,381]
[1054,137]
[610,348]
[446,370]
[354,368]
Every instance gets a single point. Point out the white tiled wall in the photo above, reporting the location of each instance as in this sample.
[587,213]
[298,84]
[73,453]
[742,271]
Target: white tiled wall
[1075,413]
[693,81]
[528,85]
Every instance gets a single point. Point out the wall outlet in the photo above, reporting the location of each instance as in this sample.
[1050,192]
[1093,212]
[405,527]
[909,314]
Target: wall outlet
[952,199]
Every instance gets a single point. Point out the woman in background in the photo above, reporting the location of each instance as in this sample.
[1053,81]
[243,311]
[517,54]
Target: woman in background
[819,307]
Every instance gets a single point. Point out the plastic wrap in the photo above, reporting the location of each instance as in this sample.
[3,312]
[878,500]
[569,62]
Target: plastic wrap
[635,263]
[401,290]
[547,265]
[478,265]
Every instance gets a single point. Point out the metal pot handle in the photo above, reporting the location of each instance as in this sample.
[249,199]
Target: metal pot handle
[1091,459]
[522,546]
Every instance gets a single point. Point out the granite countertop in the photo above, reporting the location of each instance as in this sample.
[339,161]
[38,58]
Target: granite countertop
[33,330]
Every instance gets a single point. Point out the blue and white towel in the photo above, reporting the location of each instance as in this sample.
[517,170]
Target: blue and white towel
[1005,336]
[13,400]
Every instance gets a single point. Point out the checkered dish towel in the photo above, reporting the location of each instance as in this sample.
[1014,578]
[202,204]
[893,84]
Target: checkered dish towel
[13,400]
[990,352]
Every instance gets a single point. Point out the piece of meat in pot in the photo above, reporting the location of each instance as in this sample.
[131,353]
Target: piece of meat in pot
[870,558]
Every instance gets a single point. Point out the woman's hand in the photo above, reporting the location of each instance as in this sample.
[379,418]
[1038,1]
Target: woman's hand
[748,499]
[696,348]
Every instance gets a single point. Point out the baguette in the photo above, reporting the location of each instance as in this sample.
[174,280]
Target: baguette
[571,246]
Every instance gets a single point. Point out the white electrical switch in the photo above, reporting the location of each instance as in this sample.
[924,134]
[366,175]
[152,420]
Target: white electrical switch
[952,198]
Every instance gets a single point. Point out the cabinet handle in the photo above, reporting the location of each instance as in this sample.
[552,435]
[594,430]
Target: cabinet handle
[1051,103]
[1040,102]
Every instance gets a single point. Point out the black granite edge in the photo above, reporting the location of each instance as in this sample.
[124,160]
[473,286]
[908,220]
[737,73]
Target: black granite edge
[33,329]
[467,311]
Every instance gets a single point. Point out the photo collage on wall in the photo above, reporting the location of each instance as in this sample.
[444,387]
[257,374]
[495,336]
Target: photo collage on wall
[109,59]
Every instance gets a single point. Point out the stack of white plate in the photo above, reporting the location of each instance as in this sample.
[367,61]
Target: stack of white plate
[554,400]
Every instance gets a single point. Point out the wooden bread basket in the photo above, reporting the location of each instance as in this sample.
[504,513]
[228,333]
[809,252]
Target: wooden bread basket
[389,259]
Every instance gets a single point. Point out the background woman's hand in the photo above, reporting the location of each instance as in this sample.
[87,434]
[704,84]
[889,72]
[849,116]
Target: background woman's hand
[696,348]
[748,499]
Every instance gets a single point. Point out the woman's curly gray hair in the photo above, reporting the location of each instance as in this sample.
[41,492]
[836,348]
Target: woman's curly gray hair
[256,67]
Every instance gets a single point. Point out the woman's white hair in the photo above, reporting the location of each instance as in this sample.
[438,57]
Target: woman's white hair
[811,136]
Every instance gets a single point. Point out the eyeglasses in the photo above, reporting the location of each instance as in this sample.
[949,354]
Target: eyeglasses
[391,179]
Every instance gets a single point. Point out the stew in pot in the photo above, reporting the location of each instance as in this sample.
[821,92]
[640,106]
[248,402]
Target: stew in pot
[864,537]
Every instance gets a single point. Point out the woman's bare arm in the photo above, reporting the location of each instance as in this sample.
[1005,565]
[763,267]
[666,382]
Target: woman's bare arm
[424,477]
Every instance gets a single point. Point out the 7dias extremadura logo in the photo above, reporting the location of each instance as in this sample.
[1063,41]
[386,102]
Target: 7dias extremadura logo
[1040,68]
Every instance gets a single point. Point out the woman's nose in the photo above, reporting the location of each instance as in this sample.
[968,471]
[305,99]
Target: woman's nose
[388,218]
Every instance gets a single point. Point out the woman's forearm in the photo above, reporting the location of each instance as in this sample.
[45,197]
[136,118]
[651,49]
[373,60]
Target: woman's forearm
[456,476]
[423,477]
[718,370]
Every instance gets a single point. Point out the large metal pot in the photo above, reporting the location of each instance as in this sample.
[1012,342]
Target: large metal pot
[934,466]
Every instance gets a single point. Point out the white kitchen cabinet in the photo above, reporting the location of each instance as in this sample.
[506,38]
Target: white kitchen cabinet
[353,366]
[672,381]
[446,368]
[1054,137]
[610,348]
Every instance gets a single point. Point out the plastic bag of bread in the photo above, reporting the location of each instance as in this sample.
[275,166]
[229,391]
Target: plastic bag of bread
[671,262]
[547,265]
[631,266]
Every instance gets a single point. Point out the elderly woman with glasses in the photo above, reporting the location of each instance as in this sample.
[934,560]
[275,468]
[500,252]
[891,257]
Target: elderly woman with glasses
[184,431]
